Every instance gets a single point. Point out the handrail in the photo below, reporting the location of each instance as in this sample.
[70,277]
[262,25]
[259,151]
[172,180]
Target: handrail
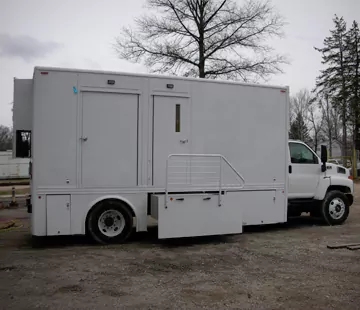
[219,178]
[233,169]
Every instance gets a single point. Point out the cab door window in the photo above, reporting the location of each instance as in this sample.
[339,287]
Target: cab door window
[301,154]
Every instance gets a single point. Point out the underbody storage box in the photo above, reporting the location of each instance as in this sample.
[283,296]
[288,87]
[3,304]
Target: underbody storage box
[188,215]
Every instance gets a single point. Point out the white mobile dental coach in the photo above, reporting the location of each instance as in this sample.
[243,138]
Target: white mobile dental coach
[202,157]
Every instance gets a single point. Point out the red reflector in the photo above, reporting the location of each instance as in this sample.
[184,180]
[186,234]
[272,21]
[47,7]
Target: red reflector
[44,73]
[283,91]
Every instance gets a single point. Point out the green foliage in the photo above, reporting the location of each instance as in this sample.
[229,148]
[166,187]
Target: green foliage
[340,81]
[299,130]
[353,72]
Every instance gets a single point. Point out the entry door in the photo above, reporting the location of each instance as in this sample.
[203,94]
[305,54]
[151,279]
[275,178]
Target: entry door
[171,133]
[109,140]
[304,171]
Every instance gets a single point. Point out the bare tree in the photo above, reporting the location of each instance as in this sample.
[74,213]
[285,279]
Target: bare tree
[299,103]
[302,107]
[205,38]
[331,122]
[315,120]
[299,115]
[5,138]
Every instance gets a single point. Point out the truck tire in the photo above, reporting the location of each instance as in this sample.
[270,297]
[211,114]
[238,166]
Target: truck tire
[335,208]
[110,221]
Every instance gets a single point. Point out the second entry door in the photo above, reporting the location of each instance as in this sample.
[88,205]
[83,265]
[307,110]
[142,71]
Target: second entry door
[171,133]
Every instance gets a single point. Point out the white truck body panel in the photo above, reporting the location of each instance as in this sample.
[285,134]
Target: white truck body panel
[23,107]
[92,140]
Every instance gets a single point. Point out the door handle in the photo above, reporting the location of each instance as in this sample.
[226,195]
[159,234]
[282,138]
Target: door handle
[84,139]
[207,198]
[290,169]
[180,199]
[184,141]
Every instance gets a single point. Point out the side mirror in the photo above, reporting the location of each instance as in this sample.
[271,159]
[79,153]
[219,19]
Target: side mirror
[324,157]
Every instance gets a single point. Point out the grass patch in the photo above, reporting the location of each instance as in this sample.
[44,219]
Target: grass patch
[20,191]
[13,181]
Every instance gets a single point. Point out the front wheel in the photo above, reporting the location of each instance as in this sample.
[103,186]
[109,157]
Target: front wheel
[335,208]
[110,221]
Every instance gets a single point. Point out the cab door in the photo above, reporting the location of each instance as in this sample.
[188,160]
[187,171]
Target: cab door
[304,171]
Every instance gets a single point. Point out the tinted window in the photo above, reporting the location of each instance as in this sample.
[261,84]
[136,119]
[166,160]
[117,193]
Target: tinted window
[23,143]
[301,154]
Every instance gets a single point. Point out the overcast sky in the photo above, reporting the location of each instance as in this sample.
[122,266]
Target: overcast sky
[80,34]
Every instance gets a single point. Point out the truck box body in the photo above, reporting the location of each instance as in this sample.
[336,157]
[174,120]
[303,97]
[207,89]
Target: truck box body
[98,135]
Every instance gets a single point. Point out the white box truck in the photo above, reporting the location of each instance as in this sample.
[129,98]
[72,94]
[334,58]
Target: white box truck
[202,157]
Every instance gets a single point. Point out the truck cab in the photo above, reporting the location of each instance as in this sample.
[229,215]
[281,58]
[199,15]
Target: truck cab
[323,189]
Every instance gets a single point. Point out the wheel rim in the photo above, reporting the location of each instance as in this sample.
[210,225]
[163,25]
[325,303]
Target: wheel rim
[111,223]
[336,208]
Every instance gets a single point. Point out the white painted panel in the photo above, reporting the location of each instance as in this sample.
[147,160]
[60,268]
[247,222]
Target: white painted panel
[160,85]
[58,215]
[109,154]
[198,215]
[263,207]
[23,104]
[54,138]
[38,215]
[245,124]
[166,140]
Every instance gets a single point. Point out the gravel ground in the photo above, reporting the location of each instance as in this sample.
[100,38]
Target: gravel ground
[273,267]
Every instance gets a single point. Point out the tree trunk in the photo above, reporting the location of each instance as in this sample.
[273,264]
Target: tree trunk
[201,55]
[202,69]
[330,144]
[344,137]
[201,40]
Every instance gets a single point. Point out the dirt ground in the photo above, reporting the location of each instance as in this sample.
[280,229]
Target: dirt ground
[273,267]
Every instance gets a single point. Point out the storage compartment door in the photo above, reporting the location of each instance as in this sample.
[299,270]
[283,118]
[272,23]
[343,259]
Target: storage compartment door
[193,215]
[58,215]
[109,140]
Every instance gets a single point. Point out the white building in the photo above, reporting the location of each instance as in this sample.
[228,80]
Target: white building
[13,168]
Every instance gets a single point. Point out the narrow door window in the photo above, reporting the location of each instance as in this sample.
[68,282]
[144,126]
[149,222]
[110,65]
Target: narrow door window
[177,118]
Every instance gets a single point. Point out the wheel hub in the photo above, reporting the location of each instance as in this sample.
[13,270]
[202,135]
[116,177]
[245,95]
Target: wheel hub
[111,223]
[337,208]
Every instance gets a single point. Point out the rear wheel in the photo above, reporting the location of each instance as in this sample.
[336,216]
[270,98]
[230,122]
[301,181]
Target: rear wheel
[335,208]
[110,221]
